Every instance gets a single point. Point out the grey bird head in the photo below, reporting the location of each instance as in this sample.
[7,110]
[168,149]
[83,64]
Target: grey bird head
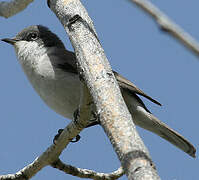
[36,33]
[37,42]
[33,42]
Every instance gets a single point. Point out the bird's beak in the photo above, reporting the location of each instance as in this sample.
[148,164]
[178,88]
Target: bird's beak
[10,41]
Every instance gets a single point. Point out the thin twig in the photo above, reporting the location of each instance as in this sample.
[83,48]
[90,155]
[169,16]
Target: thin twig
[53,152]
[167,25]
[48,157]
[86,173]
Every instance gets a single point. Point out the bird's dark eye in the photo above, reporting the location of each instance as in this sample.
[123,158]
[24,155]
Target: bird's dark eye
[32,36]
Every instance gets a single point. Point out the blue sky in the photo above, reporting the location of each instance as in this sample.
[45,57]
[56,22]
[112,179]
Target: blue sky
[137,49]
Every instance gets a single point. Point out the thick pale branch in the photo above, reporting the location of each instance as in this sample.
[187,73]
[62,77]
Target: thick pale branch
[8,9]
[86,173]
[110,106]
[167,25]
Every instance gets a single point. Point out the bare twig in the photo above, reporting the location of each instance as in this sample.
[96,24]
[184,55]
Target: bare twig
[8,9]
[111,108]
[53,152]
[86,173]
[49,156]
[167,25]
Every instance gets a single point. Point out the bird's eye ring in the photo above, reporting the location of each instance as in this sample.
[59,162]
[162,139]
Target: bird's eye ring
[32,36]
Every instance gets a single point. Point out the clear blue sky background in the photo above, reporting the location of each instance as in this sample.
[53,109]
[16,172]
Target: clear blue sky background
[135,47]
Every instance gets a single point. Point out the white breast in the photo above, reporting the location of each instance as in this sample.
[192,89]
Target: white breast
[58,89]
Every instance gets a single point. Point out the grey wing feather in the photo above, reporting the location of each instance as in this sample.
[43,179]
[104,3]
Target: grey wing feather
[126,84]
[67,60]
[69,64]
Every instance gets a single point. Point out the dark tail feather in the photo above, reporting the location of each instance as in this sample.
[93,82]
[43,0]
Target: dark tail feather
[153,124]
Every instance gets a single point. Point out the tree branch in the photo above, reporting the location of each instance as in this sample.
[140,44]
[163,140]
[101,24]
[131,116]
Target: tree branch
[167,25]
[49,156]
[53,152]
[111,108]
[8,9]
[86,173]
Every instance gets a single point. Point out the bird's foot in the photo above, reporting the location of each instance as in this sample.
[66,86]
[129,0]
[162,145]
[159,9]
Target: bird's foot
[76,139]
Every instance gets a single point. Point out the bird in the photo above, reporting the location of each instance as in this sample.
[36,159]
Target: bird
[52,70]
